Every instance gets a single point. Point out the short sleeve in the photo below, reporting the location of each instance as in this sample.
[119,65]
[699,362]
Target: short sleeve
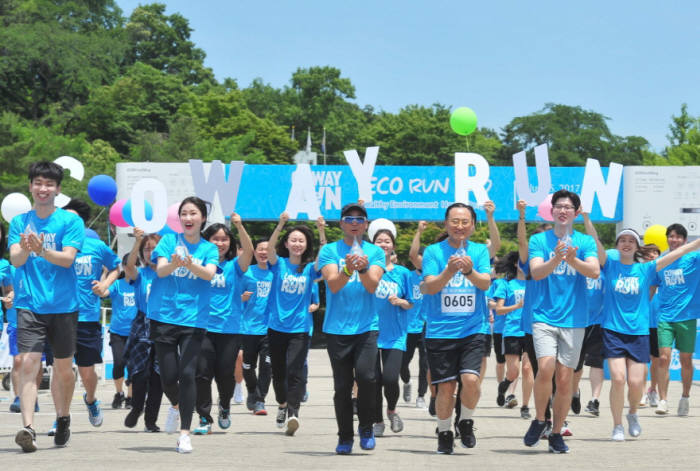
[377,258]
[537,248]
[109,258]
[431,266]
[165,248]
[483,264]
[326,256]
[211,256]
[74,236]
[501,291]
[589,248]
[15,230]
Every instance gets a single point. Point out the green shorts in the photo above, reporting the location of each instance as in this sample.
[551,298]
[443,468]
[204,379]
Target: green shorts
[682,332]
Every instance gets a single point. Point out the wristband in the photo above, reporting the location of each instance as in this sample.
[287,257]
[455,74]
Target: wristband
[363,271]
[469,272]
[345,270]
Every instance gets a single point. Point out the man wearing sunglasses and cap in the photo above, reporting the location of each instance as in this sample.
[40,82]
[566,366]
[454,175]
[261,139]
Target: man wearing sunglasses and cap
[352,269]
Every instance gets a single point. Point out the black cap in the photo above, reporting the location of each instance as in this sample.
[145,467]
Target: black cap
[353,206]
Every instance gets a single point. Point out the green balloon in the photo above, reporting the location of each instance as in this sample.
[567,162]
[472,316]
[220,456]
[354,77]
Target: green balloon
[463,121]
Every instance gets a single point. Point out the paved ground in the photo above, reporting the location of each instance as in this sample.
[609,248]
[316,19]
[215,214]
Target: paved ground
[254,442]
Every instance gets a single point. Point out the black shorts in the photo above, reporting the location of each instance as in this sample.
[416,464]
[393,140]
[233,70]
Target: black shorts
[591,348]
[513,345]
[487,346]
[170,333]
[654,342]
[34,330]
[498,347]
[88,348]
[450,358]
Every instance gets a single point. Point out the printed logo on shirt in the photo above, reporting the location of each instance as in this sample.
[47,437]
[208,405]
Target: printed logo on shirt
[674,277]
[458,280]
[592,284]
[386,289]
[416,292]
[293,284]
[49,243]
[263,288]
[519,295]
[563,268]
[129,299]
[627,285]
[218,281]
[83,265]
[182,272]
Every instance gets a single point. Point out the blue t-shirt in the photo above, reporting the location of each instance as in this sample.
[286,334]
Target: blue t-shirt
[512,292]
[679,289]
[562,301]
[393,320]
[498,321]
[225,303]
[315,299]
[6,280]
[42,287]
[259,282]
[595,292]
[142,287]
[626,304]
[532,289]
[182,298]
[416,319]
[654,312]
[10,279]
[290,296]
[459,309]
[123,296]
[88,265]
[349,311]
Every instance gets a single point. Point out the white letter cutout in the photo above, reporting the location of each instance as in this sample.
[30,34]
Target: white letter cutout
[217,182]
[302,196]
[138,205]
[363,172]
[593,182]
[464,183]
[522,180]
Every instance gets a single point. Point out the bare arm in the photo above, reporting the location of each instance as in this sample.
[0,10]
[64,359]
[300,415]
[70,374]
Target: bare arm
[18,254]
[130,270]
[674,255]
[523,249]
[165,267]
[335,277]
[591,231]
[494,235]
[101,288]
[272,243]
[246,244]
[501,309]
[414,251]
[402,303]
[321,227]
[434,283]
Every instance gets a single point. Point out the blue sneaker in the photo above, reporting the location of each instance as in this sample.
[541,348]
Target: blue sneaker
[52,430]
[344,447]
[14,407]
[224,418]
[204,427]
[367,441]
[532,437]
[94,411]
[556,444]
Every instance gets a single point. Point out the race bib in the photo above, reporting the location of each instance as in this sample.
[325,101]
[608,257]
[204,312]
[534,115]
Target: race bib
[457,303]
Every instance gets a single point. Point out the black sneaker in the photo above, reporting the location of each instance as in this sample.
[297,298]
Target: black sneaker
[62,431]
[502,388]
[466,433]
[281,417]
[511,401]
[26,439]
[118,400]
[132,418]
[593,407]
[446,443]
[556,444]
[576,403]
[431,407]
[534,433]
[127,402]
[151,428]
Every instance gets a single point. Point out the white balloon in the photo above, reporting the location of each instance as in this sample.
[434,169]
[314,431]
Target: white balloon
[13,205]
[378,224]
[75,169]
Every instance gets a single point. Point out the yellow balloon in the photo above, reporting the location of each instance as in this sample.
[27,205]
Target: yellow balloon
[656,234]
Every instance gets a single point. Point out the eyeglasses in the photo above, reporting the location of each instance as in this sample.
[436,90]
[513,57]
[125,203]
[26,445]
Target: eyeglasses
[354,219]
[460,222]
[564,207]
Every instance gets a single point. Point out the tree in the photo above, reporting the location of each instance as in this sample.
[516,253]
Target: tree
[681,126]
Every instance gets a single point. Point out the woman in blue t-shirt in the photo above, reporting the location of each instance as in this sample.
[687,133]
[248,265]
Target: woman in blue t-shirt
[220,346]
[626,321]
[392,299]
[178,308]
[292,263]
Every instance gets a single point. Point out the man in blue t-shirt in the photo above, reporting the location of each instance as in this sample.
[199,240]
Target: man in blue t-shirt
[352,269]
[560,261]
[43,244]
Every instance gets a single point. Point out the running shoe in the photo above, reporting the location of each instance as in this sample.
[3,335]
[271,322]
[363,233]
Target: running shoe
[407,392]
[618,434]
[511,401]
[367,441]
[683,406]
[259,408]
[184,444]
[466,433]
[15,407]
[62,436]
[292,426]
[502,388]
[547,428]
[420,403]
[431,407]
[94,411]
[593,407]
[281,417]
[26,439]
[556,444]
[52,430]
[127,402]
[344,447]
[566,431]
[525,413]
[172,420]
[395,422]
[204,427]
[379,428]
[132,418]
[633,426]
[653,399]
[118,400]
[250,402]
[446,443]
[576,403]
[534,433]
[662,407]
[238,394]
[151,428]
[224,418]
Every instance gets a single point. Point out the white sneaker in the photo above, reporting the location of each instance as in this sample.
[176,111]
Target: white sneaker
[292,426]
[645,400]
[420,403]
[618,434]
[683,406]
[238,394]
[171,422]
[662,407]
[184,444]
[633,426]
[653,399]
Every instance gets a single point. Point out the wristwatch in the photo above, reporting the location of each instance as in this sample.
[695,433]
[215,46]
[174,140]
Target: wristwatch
[363,271]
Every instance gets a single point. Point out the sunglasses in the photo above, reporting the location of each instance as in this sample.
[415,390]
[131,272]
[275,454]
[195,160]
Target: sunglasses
[354,219]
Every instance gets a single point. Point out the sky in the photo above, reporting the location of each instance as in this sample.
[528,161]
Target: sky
[635,62]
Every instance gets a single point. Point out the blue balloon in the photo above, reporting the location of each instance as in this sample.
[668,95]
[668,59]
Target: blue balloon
[126,212]
[91,233]
[102,189]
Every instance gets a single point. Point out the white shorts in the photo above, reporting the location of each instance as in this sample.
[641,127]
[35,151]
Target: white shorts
[563,343]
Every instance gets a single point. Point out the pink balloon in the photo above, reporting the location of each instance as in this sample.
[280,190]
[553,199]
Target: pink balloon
[173,220]
[544,210]
[115,213]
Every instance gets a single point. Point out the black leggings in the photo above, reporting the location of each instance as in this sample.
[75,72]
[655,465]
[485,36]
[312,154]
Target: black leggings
[287,356]
[147,390]
[414,341]
[177,349]
[387,375]
[256,349]
[117,342]
[217,360]
[353,358]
